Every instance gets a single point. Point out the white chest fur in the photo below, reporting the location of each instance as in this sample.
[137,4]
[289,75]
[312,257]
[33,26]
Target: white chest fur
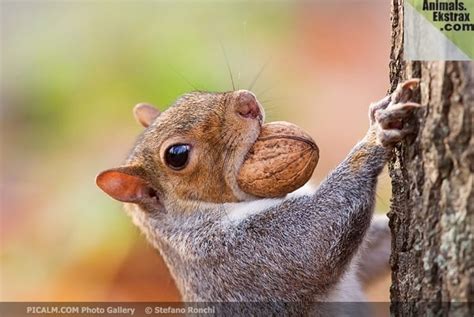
[237,212]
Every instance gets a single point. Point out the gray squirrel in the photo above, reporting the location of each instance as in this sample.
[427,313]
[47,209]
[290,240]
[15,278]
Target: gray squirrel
[223,245]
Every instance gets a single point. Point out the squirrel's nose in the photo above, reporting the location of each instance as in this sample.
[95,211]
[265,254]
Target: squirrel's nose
[247,105]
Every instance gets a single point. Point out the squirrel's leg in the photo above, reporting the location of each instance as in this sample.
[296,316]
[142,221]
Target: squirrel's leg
[374,256]
[308,242]
[352,185]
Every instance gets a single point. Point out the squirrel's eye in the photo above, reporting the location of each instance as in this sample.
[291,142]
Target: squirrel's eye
[177,156]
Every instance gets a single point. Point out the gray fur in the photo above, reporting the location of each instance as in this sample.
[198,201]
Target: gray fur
[296,251]
[302,249]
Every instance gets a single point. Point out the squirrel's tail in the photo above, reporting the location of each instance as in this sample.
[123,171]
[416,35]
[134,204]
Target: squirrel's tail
[375,254]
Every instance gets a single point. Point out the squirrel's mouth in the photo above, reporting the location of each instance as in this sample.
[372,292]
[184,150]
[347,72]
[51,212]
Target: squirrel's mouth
[241,151]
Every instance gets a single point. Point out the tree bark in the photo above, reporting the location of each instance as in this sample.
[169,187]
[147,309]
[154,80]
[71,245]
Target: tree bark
[432,212]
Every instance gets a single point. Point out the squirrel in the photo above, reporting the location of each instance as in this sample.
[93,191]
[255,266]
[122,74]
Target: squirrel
[223,245]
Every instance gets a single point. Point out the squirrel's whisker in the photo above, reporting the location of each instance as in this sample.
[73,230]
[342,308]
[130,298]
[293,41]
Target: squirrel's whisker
[228,65]
[184,78]
[258,75]
[269,88]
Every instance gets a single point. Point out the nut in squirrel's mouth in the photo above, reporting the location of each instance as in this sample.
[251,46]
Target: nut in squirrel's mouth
[281,160]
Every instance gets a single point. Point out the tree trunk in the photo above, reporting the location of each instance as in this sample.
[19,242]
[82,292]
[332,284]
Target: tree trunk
[432,212]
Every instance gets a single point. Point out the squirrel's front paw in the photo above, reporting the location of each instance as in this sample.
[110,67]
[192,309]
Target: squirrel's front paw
[390,115]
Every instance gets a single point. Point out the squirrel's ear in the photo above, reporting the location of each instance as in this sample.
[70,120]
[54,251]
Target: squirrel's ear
[145,113]
[126,184]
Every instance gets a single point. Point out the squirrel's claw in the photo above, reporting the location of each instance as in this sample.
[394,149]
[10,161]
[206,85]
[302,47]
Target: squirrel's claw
[411,83]
[401,95]
[404,91]
[377,106]
[392,117]
[391,114]
[388,137]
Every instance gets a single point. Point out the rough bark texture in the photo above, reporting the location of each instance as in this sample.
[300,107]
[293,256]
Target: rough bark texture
[432,213]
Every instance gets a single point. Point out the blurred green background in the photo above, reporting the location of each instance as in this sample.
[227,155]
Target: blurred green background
[70,75]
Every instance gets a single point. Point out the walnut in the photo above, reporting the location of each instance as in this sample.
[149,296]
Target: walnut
[282,159]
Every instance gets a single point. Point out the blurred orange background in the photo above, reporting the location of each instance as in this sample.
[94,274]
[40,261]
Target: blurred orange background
[70,75]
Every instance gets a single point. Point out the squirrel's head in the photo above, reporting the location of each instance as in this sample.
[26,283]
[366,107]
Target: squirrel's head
[191,153]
